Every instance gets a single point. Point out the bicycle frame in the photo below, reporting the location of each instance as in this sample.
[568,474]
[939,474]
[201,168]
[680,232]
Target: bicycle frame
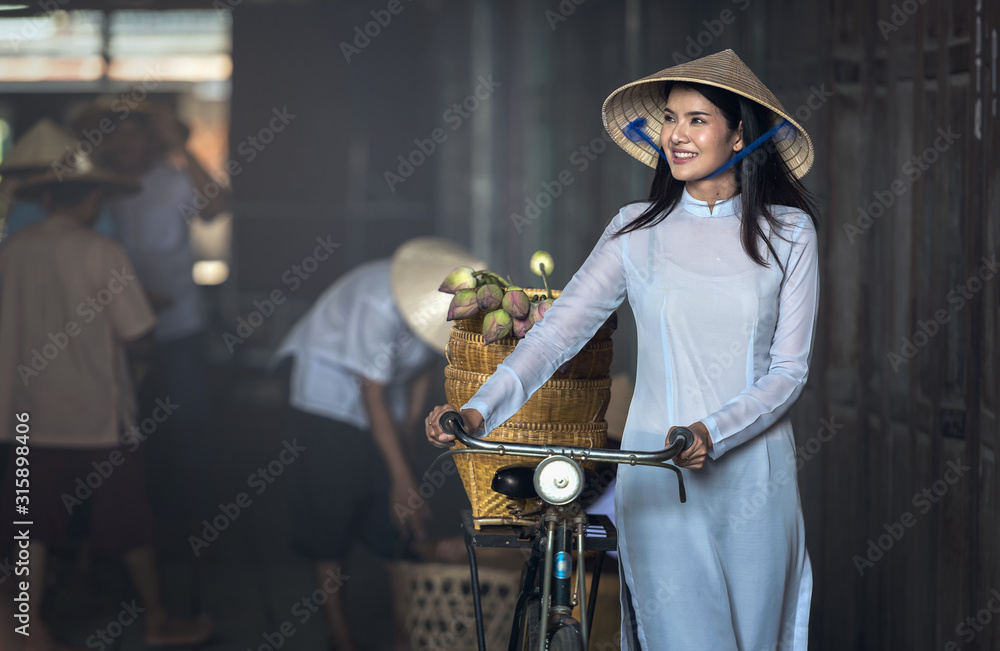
[554,534]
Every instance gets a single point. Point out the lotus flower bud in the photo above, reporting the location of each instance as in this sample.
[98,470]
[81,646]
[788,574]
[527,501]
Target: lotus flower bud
[516,302]
[490,296]
[463,305]
[496,325]
[459,279]
[543,307]
[539,258]
[521,327]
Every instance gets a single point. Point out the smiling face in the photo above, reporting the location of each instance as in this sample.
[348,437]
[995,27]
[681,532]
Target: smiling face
[696,137]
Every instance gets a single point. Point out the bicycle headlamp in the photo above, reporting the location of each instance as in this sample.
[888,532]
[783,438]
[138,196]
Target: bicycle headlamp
[559,480]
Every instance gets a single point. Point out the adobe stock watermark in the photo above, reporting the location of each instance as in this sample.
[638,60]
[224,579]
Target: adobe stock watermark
[259,480]
[250,147]
[900,14]
[750,505]
[132,438]
[33,28]
[106,636]
[698,44]
[293,277]
[565,9]
[580,159]
[454,117]
[120,107]
[976,623]
[913,169]
[303,610]
[364,34]
[957,298]
[923,501]
[430,485]
[41,356]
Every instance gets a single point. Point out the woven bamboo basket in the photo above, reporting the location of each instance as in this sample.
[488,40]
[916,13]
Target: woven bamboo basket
[437,602]
[477,471]
[468,351]
[568,409]
[557,401]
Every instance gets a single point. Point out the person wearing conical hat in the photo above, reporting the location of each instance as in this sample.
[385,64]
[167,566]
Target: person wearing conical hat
[44,146]
[720,267]
[359,380]
[72,312]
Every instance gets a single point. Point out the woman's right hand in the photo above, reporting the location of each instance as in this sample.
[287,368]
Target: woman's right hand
[471,418]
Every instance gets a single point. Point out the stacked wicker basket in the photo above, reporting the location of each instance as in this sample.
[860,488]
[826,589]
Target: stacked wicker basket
[567,410]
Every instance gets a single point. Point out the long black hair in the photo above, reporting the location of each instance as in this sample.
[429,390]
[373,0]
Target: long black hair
[762,177]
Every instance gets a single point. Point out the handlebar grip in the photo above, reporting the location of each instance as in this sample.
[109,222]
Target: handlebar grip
[684,432]
[451,423]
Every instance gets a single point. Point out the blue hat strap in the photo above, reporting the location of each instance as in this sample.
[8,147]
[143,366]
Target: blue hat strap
[754,145]
[634,132]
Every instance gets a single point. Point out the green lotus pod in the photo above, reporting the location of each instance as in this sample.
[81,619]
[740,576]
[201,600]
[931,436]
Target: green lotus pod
[490,296]
[516,302]
[543,307]
[521,327]
[463,305]
[459,279]
[497,325]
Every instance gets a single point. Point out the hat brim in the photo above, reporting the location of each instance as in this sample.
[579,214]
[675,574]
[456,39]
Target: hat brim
[114,185]
[418,269]
[643,99]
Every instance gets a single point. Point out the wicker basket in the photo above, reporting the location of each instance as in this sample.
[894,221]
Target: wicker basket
[468,351]
[437,600]
[568,409]
[477,471]
[557,401]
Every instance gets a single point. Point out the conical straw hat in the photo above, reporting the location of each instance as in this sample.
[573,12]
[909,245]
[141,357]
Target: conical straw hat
[418,268]
[643,99]
[43,144]
[76,169]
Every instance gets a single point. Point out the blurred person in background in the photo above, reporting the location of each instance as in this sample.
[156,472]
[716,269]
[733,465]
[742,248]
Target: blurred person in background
[148,144]
[359,381]
[71,314]
[43,147]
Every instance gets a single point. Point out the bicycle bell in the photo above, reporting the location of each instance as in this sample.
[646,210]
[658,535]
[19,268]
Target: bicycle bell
[559,480]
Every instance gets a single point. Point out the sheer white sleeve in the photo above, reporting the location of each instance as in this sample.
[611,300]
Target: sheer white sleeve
[761,404]
[594,292]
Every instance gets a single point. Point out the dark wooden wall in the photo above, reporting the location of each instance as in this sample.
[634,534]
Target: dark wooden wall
[910,364]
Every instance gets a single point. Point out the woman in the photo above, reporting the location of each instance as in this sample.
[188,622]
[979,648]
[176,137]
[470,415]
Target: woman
[725,311]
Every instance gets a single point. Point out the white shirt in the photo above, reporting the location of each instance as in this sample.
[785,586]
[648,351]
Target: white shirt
[353,333]
[154,233]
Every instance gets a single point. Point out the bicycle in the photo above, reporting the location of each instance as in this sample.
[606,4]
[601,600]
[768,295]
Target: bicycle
[543,613]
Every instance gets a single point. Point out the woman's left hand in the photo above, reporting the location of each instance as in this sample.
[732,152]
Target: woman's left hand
[694,457]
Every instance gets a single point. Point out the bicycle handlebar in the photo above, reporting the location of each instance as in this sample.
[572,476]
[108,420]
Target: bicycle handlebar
[680,438]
